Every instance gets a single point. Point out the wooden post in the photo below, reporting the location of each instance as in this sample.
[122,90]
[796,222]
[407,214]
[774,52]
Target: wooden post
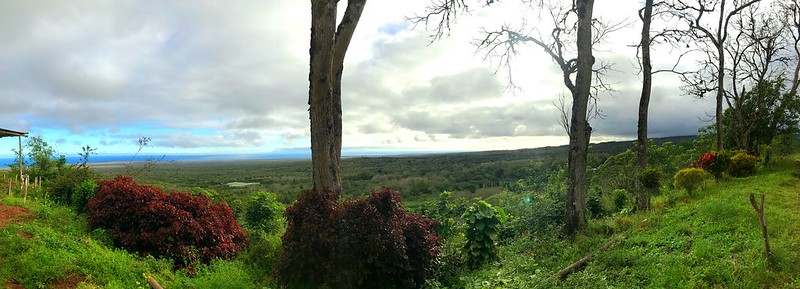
[20,157]
[25,186]
[760,212]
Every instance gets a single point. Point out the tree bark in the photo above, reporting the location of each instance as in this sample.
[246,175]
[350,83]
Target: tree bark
[580,131]
[321,105]
[642,194]
[720,92]
[329,45]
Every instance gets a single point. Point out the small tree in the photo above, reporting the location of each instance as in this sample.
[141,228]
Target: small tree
[263,212]
[482,222]
[42,159]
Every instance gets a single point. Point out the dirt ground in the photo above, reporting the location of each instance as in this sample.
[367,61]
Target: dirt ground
[10,214]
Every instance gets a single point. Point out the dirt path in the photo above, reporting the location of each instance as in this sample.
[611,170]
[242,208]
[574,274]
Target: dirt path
[10,214]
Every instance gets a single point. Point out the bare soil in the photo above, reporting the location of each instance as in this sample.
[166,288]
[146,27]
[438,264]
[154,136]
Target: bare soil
[12,214]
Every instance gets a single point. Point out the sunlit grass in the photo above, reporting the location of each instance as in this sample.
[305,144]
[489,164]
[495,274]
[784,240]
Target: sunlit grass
[55,245]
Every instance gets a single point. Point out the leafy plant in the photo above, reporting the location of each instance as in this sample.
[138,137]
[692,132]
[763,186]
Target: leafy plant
[482,222]
[650,178]
[743,164]
[68,187]
[263,212]
[83,193]
[715,163]
[42,160]
[179,226]
[689,179]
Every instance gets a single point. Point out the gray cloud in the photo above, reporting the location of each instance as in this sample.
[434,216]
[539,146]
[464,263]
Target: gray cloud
[237,72]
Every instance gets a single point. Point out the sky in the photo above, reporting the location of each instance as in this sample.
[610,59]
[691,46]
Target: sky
[218,77]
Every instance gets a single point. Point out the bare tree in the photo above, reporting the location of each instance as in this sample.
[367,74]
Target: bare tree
[646,15]
[790,11]
[756,57]
[569,44]
[328,48]
[714,33]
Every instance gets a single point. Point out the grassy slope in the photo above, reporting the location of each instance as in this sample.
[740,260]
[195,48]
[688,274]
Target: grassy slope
[59,247]
[711,240]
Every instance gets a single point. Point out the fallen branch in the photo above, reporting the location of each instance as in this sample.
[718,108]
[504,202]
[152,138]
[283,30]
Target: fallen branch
[578,265]
[760,212]
[154,283]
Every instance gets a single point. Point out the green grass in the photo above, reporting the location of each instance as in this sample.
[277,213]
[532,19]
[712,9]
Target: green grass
[712,240]
[709,240]
[59,246]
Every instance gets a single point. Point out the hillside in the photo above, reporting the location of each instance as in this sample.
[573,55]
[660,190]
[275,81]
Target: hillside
[709,240]
[712,240]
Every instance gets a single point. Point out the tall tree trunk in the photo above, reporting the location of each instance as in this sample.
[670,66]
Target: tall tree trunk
[329,44]
[324,156]
[580,131]
[720,93]
[642,195]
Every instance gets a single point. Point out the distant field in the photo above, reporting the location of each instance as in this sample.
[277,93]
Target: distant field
[413,175]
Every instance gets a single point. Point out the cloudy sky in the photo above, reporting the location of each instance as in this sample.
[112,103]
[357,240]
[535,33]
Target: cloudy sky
[232,77]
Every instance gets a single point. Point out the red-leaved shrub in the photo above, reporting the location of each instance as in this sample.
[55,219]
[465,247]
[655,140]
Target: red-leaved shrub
[179,226]
[365,243]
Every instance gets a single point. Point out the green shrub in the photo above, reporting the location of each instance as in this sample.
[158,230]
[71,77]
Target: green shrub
[262,252]
[447,210]
[68,182]
[594,205]
[650,178]
[689,179]
[263,212]
[532,213]
[82,194]
[622,199]
[742,165]
[482,222]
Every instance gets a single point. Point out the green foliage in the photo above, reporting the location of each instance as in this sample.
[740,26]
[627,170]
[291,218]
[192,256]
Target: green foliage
[42,160]
[650,178]
[742,165]
[448,210]
[763,112]
[263,212]
[532,213]
[71,187]
[482,222]
[262,252]
[54,244]
[615,173]
[452,264]
[689,179]
[783,145]
[82,194]
[622,200]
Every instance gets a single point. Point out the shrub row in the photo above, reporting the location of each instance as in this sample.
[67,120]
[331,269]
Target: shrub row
[179,226]
[735,163]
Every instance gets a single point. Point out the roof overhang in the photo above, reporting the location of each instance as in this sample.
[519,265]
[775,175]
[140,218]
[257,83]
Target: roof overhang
[8,132]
